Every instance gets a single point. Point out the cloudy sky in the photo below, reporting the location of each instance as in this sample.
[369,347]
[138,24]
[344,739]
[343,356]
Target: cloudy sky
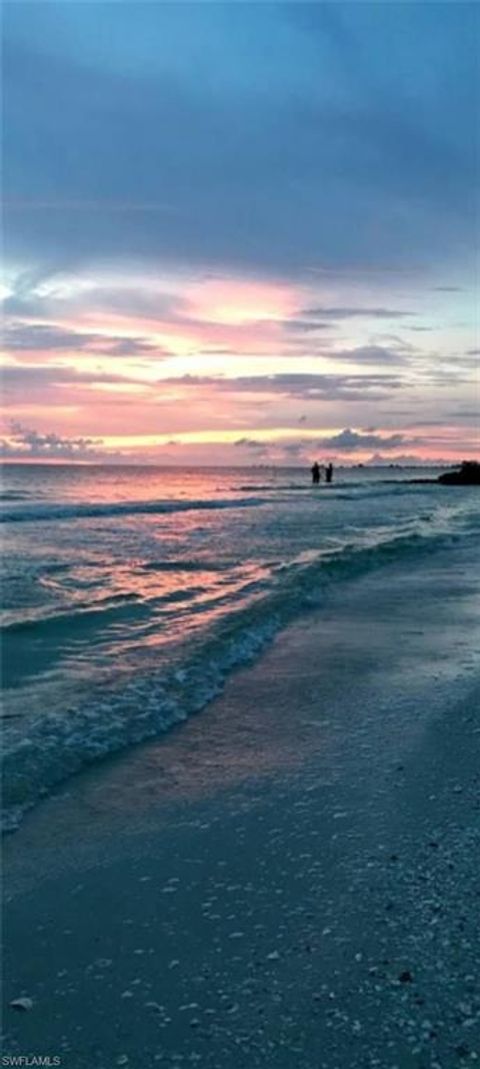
[240,232]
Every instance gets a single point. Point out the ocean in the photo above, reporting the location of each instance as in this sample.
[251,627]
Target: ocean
[130,593]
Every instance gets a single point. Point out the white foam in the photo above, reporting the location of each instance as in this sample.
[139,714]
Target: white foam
[58,745]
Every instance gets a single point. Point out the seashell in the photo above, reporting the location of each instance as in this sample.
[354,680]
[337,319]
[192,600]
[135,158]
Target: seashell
[22,1004]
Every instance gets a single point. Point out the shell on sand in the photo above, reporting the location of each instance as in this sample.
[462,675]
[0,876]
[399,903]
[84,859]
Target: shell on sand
[21,1004]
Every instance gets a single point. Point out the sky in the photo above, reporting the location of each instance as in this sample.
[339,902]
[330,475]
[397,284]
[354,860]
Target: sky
[240,233]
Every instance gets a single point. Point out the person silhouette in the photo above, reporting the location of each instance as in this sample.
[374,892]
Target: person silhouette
[329,472]
[315,473]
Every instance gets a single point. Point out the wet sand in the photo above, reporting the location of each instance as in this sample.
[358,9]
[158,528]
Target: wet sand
[288,879]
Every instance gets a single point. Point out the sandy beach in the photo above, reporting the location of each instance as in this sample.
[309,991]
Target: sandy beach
[239,516]
[288,879]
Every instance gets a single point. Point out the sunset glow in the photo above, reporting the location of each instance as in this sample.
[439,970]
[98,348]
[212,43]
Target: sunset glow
[245,291]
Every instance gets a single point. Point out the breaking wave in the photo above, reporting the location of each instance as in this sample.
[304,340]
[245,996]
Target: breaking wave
[53,511]
[57,746]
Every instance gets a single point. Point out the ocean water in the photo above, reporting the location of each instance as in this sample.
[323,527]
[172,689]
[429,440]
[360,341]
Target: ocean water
[129,594]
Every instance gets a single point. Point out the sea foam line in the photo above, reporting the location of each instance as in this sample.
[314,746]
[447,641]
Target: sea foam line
[56,511]
[58,746]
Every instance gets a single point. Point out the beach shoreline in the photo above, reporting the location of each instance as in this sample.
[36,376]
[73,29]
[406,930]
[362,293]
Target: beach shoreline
[288,878]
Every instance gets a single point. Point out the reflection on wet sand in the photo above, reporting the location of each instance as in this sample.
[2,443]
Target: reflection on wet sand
[207,756]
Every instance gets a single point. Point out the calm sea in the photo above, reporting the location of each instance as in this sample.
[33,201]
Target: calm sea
[130,593]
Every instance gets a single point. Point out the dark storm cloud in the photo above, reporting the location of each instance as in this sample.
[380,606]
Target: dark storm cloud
[24,378]
[355,313]
[43,338]
[233,135]
[29,443]
[260,448]
[305,326]
[398,352]
[308,387]
[373,354]
[349,441]
[313,319]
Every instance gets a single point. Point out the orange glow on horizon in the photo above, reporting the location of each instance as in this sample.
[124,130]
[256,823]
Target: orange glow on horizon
[235,302]
[204,363]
